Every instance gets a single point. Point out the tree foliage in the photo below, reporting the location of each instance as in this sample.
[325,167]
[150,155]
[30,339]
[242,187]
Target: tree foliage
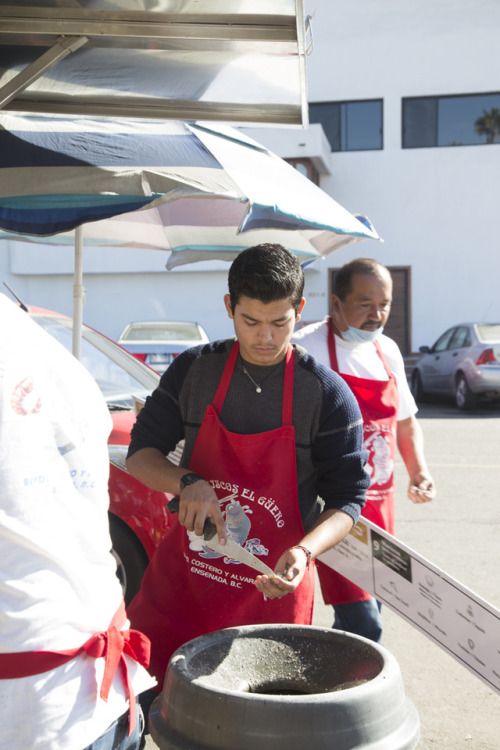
[489,125]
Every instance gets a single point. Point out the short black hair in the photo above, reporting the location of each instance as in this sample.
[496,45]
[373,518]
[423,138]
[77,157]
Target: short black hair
[266,272]
[342,283]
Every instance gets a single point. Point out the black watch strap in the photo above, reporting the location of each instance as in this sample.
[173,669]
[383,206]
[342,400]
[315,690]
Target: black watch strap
[189,478]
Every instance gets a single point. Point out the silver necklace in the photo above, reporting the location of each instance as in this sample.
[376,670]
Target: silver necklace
[258,389]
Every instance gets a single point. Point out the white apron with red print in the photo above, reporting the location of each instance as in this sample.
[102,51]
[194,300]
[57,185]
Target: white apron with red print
[189,590]
[378,401]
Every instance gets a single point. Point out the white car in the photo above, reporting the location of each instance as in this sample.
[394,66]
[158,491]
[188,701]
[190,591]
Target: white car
[464,363]
[158,342]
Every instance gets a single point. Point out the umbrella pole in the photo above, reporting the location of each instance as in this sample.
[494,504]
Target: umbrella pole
[78,293]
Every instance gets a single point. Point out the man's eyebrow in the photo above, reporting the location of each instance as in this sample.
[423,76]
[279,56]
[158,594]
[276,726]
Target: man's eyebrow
[367,298]
[256,320]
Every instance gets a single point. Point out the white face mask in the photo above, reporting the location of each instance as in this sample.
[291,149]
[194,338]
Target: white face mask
[359,335]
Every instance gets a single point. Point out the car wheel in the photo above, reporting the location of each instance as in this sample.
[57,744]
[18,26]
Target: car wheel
[131,558]
[417,387]
[464,398]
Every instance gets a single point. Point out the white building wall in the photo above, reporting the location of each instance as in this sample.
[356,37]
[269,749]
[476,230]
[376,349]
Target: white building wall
[436,208]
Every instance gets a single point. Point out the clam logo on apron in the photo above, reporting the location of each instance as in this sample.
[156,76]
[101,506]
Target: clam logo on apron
[238,525]
[378,443]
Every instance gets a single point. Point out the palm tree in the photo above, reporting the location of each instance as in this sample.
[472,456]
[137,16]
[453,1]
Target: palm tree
[489,125]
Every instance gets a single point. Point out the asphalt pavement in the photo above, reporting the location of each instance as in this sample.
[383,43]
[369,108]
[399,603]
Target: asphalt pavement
[459,532]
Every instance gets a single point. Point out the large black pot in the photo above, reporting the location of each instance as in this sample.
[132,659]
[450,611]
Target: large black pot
[297,687]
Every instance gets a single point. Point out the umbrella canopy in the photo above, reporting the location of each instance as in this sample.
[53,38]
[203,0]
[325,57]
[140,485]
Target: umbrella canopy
[196,230]
[57,174]
[201,188]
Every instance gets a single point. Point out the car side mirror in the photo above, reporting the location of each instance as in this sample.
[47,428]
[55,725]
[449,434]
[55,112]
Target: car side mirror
[424,349]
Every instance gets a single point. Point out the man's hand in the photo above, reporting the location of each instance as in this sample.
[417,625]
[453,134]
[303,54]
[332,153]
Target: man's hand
[198,502]
[289,572]
[421,489]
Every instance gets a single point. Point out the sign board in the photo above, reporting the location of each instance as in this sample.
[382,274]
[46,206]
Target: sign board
[463,624]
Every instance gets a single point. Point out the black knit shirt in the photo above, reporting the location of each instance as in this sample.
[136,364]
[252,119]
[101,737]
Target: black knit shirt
[328,423]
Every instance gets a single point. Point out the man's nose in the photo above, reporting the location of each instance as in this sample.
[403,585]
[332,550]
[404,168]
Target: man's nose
[376,312]
[265,332]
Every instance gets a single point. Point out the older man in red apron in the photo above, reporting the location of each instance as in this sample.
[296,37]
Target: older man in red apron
[371,365]
[267,430]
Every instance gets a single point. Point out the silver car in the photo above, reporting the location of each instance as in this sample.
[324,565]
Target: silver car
[158,342]
[464,363]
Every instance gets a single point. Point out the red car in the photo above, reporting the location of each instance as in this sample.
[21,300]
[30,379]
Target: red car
[137,515]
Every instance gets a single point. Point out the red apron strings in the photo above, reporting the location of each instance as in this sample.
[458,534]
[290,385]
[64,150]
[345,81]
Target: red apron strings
[111,645]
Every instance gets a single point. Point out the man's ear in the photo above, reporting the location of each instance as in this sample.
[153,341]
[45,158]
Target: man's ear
[300,308]
[335,304]
[227,303]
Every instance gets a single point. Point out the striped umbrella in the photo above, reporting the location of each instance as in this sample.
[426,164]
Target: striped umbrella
[198,190]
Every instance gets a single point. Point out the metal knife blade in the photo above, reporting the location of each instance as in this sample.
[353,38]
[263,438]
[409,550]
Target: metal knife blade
[229,549]
[236,552]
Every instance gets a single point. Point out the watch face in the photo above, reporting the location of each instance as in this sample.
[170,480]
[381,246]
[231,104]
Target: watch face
[189,478]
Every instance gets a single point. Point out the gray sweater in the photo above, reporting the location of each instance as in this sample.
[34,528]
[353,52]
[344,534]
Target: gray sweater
[328,423]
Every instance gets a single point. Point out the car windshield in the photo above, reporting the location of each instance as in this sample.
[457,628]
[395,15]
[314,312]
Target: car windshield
[489,334]
[119,375]
[161,332]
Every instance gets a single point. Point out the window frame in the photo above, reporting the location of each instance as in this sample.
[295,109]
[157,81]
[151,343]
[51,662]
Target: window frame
[436,99]
[343,136]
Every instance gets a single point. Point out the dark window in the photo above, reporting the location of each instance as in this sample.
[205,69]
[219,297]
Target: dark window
[350,126]
[460,338]
[443,341]
[468,120]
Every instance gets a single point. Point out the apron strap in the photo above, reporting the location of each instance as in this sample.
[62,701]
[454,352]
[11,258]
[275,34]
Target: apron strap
[382,357]
[332,349]
[287,410]
[221,391]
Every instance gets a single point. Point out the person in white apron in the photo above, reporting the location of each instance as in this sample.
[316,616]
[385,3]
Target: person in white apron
[70,667]
[267,430]
[352,344]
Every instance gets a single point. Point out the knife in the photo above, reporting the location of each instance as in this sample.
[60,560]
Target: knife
[230,549]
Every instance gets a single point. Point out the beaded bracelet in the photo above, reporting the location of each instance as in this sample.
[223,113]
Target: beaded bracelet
[306,551]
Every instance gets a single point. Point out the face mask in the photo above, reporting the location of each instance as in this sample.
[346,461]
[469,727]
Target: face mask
[359,335]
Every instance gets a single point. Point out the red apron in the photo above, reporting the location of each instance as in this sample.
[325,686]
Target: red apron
[378,401]
[188,590]
[110,645]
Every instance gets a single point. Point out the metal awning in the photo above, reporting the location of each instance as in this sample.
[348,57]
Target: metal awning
[227,60]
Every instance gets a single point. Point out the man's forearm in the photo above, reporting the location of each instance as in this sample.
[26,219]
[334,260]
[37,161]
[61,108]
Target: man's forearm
[411,446]
[153,469]
[198,501]
[330,528]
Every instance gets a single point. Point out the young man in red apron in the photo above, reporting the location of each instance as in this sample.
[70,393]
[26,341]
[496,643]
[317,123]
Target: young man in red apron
[266,431]
[350,342]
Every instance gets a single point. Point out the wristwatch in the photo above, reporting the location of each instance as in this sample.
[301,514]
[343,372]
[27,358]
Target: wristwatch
[189,478]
